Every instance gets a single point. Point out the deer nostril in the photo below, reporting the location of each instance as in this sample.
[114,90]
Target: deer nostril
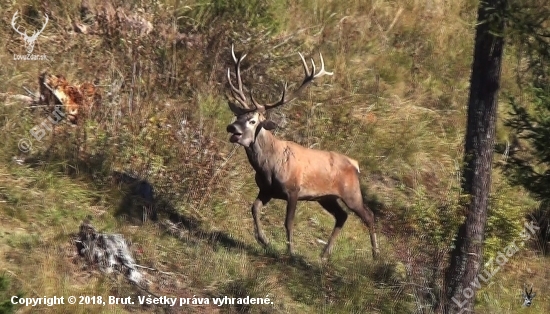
[231,128]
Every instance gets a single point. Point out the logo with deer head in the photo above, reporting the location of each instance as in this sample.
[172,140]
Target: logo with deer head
[528,295]
[29,40]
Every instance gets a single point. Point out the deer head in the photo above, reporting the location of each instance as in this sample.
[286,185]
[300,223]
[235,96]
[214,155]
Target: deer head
[29,40]
[528,296]
[250,116]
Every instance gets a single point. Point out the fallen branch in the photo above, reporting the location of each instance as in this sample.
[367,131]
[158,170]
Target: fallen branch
[154,269]
[23,98]
[109,251]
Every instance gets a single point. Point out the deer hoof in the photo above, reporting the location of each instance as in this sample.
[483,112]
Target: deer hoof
[290,251]
[327,251]
[324,255]
[262,240]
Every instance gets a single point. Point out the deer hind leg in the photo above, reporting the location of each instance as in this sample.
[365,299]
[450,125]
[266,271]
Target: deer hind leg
[260,201]
[367,216]
[289,221]
[332,206]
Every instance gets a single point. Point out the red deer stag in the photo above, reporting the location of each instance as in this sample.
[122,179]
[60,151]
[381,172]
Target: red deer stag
[288,171]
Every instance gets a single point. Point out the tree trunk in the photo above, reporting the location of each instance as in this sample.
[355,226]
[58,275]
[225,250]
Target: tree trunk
[467,256]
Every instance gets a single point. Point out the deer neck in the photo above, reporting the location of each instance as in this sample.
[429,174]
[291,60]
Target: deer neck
[261,152]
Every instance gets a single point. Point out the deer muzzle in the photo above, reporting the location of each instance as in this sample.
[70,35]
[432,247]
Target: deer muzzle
[236,133]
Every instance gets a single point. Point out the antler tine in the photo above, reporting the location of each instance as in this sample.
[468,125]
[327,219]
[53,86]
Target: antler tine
[16,28]
[528,289]
[257,106]
[237,93]
[234,91]
[322,71]
[308,78]
[278,103]
[45,23]
[233,53]
[238,71]
[306,69]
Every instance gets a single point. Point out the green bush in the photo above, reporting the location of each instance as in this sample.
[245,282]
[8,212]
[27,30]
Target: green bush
[6,293]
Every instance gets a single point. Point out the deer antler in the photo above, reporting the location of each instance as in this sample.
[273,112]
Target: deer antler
[309,77]
[238,93]
[528,292]
[35,34]
[16,28]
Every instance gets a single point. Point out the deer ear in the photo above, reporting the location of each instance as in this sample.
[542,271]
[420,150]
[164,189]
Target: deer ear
[269,125]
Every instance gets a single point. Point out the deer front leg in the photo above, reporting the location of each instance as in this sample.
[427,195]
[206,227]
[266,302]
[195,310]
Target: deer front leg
[260,201]
[289,221]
